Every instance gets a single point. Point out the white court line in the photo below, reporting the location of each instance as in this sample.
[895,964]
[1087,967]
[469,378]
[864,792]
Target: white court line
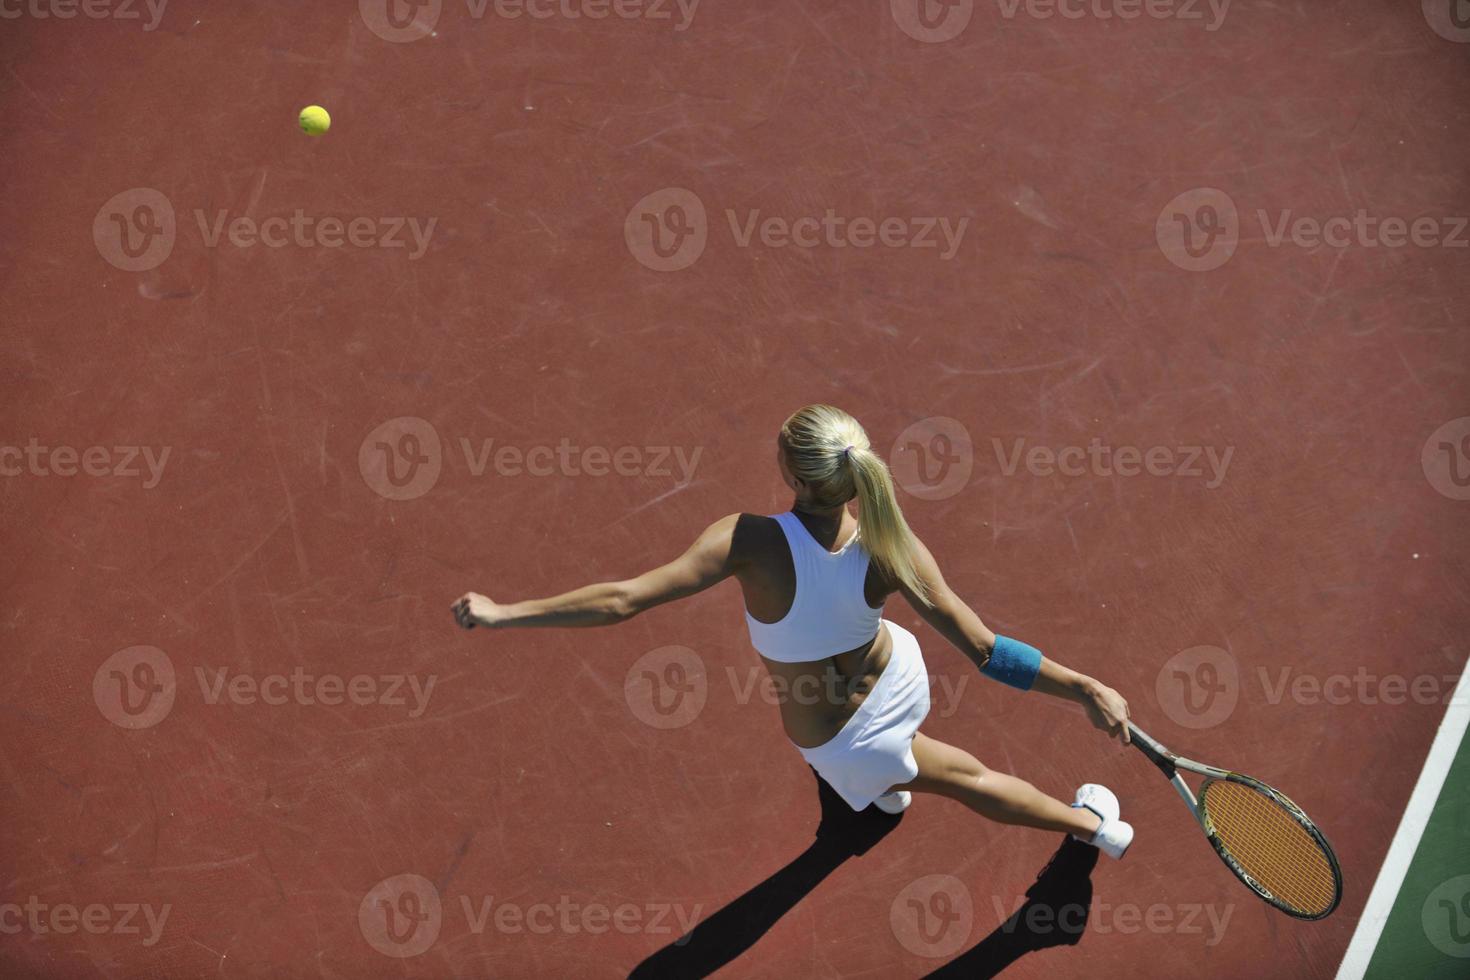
[1411,829]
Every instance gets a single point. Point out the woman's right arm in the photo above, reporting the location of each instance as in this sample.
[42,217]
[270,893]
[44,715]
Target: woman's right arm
[953,619]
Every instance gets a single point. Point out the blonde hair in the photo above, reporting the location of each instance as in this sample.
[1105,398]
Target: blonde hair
[828,451]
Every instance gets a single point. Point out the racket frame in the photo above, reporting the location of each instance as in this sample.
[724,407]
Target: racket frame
[1170,763]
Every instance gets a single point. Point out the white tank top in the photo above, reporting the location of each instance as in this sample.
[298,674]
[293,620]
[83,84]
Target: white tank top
[829,614]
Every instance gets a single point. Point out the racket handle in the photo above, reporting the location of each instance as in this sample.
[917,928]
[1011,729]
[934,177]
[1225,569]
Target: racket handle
[1156,753]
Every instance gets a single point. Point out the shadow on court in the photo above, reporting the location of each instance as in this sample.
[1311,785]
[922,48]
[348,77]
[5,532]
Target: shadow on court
[719,939]
[1055,914]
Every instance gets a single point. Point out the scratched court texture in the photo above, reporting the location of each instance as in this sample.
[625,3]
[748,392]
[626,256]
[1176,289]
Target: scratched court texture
[241,736]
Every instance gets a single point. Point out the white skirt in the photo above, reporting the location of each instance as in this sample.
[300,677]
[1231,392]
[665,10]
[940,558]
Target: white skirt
[874,750]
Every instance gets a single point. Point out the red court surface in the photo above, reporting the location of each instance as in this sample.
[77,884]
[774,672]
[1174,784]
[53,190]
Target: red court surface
[236,704]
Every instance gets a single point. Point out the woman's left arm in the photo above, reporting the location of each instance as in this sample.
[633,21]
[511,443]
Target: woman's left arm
[707,562]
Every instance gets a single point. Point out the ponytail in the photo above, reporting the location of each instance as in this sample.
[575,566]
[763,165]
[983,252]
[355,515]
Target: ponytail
[885,534]
[828,450]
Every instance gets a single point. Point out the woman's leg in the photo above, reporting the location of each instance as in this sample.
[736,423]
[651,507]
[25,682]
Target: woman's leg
[955,773]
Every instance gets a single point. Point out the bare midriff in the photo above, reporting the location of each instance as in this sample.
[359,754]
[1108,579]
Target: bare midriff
[817,697]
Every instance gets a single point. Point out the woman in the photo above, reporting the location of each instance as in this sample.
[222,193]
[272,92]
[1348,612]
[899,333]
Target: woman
[815,580]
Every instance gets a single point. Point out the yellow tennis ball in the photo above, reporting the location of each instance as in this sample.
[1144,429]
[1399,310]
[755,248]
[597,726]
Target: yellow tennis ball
[315,121]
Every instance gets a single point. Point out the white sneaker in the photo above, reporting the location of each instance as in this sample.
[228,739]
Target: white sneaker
[894,802]
[1112,836]
[1099,799]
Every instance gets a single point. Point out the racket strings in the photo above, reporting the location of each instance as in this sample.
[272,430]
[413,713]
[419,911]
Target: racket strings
[1263,838]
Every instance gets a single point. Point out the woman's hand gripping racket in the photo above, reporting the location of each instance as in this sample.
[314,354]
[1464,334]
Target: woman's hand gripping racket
[1263,838]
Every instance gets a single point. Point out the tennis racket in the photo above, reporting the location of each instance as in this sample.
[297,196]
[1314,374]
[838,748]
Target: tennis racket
[1264,839]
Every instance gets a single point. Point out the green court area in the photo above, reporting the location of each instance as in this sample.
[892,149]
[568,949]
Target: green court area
[1422,897]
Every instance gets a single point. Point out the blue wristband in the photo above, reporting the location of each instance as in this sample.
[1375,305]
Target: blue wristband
[1013,662]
